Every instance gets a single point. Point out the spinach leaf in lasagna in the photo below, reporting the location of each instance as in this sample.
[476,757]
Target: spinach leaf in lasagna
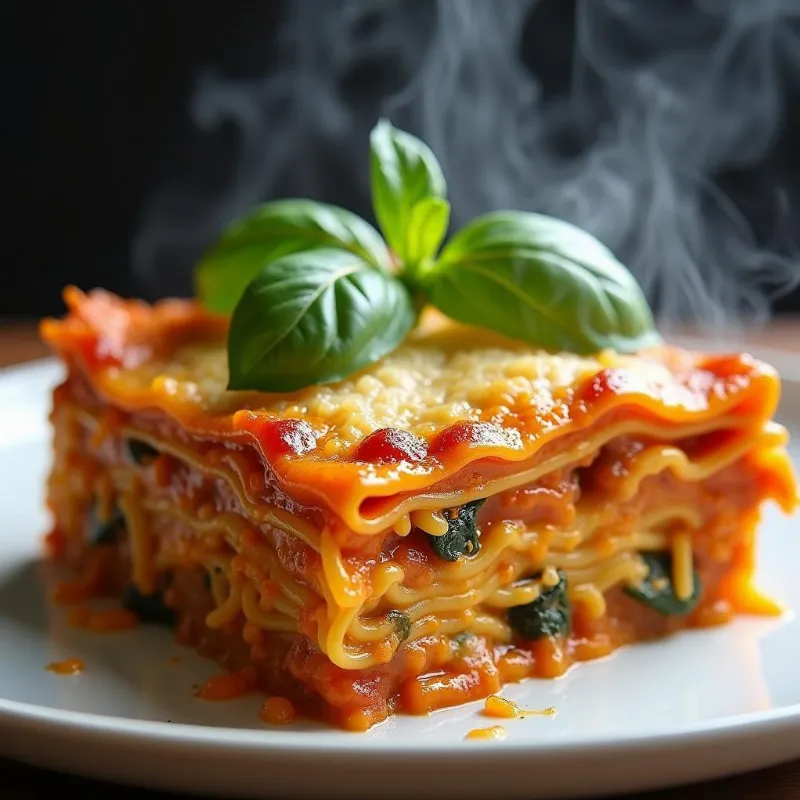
[315,317]
[148,608]
[548,615]
[401,623]
[462,533]
[657,590]
[408,194]
[278,229]
[141,452]
[105,531]
[540,280]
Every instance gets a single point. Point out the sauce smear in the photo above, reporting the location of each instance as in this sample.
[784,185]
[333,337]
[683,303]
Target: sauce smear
[278,711]
[70,666]
[104,620]
[495,732]
[230,685]
[507,709]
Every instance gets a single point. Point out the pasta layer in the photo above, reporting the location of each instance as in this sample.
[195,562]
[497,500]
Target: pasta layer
[359,607]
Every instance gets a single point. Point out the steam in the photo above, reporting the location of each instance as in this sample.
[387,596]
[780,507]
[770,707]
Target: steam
[664,96]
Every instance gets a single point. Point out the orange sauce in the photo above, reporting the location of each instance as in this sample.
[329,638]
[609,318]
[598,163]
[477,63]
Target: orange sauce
[105,620]
[501,707]
[748,599]
[67,593]
[55,543]
[278,711]
[112,619]
[86,585]
[230,685]
[494,732]
[70,666]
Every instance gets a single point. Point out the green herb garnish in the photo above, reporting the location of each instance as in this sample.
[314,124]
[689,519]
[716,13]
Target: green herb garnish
[548,615]
[316,295]
[541,280]
[657,591]
[280,229]
[408,194]
[315,317]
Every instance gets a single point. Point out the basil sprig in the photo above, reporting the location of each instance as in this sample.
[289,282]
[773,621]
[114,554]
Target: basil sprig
[316,294]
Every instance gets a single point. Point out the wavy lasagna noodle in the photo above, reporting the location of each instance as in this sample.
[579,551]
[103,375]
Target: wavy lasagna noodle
[467,512]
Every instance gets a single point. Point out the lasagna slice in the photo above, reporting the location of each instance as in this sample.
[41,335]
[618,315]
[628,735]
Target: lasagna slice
[467,512]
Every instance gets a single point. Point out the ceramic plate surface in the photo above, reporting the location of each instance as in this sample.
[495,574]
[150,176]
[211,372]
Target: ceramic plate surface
[698,705]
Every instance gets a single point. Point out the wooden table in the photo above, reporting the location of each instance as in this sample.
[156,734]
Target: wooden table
[18,343]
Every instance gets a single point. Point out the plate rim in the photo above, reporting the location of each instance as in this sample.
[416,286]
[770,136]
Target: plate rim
[334,741]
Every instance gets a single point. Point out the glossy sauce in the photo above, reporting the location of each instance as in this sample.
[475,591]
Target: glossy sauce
[278,711]
[507,709]
[70,666]
[229,686]
[106,620]
[494,732]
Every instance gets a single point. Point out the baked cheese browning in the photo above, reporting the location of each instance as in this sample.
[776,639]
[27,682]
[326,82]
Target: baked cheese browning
[408,431]
[416,567]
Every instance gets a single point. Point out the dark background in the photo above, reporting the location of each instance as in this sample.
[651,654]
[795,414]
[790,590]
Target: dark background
[95,120]
[99,93]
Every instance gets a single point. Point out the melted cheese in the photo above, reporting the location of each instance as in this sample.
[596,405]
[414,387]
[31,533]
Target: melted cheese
[428,382]
[484,409]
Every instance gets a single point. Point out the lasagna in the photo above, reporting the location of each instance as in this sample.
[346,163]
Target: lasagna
[467,512]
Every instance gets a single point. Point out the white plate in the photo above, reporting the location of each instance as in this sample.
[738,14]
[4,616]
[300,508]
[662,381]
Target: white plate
[699,705]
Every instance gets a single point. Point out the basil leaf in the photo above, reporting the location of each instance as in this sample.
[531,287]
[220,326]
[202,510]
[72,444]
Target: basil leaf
[403,172]
[541,280]
[314,317]
[275,230]
[426,229]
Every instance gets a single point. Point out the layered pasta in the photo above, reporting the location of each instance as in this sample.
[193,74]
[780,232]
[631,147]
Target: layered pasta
[467,512]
